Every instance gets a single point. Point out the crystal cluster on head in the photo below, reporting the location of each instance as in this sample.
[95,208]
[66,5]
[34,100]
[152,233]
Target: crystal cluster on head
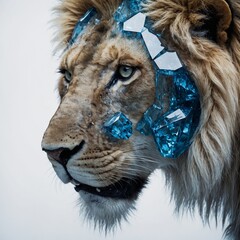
[174,116]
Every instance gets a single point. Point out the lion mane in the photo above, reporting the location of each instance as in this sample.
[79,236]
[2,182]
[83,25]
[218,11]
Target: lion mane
[206,34]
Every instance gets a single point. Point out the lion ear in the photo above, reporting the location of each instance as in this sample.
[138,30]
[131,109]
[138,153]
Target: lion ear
[210,18]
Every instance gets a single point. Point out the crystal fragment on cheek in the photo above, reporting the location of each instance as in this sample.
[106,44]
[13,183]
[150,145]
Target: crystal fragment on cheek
[118,126]
[173,130]
[149,117]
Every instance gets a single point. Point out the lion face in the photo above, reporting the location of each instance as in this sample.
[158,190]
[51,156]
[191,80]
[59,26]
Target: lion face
[104,73]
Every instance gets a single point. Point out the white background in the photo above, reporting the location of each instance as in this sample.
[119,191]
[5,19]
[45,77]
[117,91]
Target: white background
[34,205]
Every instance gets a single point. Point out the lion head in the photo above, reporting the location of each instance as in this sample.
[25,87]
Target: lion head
[105,72]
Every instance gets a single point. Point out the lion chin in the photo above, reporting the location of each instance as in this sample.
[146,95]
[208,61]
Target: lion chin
[105,206]
[108,206]
[105,212]
[109,182]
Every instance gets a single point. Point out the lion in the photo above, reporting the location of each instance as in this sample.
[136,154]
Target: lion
[110,174]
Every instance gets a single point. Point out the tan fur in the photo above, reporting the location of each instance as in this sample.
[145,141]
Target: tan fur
[207,176]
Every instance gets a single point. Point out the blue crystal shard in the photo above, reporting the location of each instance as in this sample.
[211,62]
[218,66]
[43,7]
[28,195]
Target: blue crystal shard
[81,24]
[186,89]
[152,43]
[135,5]
[135,23]
[118,126]
[153,113]
[172,132]
[169,61]
[174,117]
[165,91]
[127,9]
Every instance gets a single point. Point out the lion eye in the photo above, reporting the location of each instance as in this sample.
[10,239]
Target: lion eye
[125,72]
[67,75]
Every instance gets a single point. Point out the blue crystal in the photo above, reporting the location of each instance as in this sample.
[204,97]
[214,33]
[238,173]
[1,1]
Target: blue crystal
[186,89]
[165,91]
[132,35]
[149,117]
[127,9]
[135,23]
[168,61]
[123,12]
[143,127]
[177,86]
[173,132]
[135,5]
[81,24]
[118,126]
[174,117]
[152,42]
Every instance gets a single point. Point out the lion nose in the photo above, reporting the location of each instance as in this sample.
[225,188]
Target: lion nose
[62,155]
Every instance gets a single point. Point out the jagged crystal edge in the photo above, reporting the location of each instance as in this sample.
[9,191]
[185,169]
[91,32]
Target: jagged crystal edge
[172,126]
[127,9]
[118,126]
[81,24]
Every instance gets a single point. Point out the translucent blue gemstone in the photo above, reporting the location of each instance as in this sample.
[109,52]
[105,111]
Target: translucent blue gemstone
[149,25]
[143,127]
[165,90]
[173,132]
[118,126]
[132,35]
[135,5]
[81,24]
[127,9]
[186,89]
[174,117]
[123,12]
[176,86]
[149,117]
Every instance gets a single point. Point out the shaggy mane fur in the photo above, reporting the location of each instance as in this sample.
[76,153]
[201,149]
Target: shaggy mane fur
[69,12]
[207,177]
